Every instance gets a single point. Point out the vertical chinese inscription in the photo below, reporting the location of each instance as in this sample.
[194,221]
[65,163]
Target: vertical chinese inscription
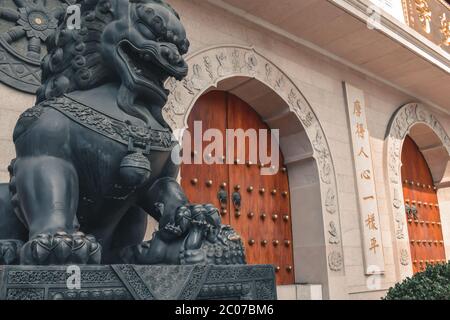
[365,183]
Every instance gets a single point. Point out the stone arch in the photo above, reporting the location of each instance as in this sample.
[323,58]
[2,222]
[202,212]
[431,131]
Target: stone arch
[412,119]
[213,65]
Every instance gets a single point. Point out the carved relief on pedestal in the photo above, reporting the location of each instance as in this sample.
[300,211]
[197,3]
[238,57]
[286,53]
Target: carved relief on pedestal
[210,66]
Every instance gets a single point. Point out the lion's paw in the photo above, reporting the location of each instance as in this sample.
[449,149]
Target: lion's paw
[61,248]
[9,251]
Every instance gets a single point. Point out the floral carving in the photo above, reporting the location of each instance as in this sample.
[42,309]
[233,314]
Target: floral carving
[222,69]
[335,261]
[36,22]
[304,115]
[292,97]
[332,231]
[208,66]
[195,83]
[269,71]
[404,257]
[330,202]
[323,157]
[251,61]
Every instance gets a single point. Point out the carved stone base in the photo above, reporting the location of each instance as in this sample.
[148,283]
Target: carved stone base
[137,282]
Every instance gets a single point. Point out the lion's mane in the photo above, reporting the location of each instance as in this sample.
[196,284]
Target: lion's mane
[74,60]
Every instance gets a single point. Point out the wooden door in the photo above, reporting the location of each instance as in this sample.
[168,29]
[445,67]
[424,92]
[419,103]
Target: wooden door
[422,209]
[263,218]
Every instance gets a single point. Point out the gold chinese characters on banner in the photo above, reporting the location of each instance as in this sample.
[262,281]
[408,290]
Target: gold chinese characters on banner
[366,193]
[431,18]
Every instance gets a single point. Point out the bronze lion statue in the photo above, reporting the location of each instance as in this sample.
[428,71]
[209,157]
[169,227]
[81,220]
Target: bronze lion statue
[94,153]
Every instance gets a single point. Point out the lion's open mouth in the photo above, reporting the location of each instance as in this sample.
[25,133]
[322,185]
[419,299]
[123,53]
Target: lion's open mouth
[148,67]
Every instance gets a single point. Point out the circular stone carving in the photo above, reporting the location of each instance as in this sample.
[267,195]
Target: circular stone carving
[25,25]
[335,261]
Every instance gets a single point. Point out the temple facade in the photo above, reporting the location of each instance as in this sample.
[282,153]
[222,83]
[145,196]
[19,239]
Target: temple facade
[358,92]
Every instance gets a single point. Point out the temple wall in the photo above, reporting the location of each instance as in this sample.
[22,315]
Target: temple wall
[321,81]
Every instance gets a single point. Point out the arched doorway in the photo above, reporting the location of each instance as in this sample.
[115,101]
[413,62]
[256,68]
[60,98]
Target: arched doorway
[256,205]
[422,208]
[416,122]
[244,72]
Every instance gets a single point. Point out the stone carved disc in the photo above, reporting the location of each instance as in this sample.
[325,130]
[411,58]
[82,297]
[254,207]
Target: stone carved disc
[25,26]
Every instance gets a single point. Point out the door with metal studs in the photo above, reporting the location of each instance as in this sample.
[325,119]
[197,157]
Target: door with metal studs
[257,206]
[422,209]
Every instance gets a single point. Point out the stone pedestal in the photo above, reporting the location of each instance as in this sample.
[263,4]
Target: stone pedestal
[133,282]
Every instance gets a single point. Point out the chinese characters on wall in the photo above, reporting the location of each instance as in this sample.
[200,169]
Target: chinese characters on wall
[366,193]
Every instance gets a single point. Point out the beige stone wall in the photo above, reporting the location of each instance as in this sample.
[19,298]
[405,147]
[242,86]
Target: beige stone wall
[444,204]
[12,104]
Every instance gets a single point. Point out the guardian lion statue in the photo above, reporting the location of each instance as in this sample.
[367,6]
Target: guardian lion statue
[94,153]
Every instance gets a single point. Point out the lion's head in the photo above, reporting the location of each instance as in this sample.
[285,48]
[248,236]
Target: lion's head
[139,43]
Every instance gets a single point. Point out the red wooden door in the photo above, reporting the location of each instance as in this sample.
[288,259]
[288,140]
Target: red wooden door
[263,218]
[422,209]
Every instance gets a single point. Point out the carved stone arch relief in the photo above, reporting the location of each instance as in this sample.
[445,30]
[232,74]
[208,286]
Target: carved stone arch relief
[210,66]
[401,125]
